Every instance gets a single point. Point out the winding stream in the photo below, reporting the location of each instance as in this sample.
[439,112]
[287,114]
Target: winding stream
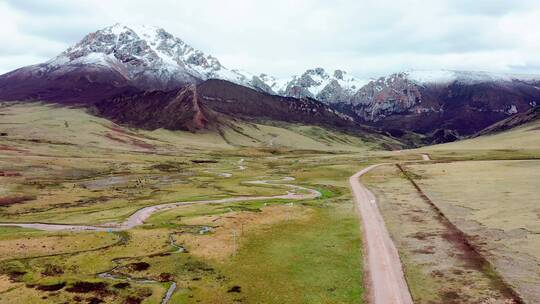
[139,216]
[166,298]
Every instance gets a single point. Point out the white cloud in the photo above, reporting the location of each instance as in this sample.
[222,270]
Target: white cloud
[282,37]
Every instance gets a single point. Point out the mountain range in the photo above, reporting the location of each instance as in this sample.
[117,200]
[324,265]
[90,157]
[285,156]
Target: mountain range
[150,58]
[138,74]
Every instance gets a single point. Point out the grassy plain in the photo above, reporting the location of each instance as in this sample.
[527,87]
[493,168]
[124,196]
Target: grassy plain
[63,165]
[497,206]
[438,267]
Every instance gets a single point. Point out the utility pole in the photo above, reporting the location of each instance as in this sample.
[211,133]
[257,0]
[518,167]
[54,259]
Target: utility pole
[234,241]
[287,210]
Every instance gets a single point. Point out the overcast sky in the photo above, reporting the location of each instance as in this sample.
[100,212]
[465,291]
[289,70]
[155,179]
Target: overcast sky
[284,37]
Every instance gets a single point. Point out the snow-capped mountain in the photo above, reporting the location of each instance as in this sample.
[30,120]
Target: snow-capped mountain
[445,77]
[460,102]
[318,84]
[406,91]
[150,56]
[142,57]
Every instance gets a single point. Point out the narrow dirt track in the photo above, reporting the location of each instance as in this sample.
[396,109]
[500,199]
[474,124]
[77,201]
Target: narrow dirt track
[385,280]
[138,218]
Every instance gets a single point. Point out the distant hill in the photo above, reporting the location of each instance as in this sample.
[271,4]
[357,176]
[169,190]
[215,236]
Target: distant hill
[215,104]
[512,122]
[442,105]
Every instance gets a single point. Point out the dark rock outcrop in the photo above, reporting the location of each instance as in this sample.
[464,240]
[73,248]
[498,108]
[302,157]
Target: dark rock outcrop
[175,110]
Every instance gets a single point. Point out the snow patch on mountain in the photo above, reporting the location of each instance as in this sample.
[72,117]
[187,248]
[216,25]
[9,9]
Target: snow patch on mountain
[319,84]
[276,85]
[464,77]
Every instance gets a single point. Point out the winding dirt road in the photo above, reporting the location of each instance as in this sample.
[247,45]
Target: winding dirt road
[385,280]
[143,214]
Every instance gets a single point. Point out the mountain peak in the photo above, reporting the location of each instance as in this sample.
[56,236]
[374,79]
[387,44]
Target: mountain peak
[148,56]
[316,71]
[140,30]
[339,74]
[319,84]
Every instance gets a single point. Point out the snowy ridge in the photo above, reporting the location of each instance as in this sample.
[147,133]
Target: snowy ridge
[319,84]
[276,85]
[315,80]
[464,77]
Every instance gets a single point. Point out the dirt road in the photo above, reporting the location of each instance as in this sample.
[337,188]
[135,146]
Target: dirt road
[142,214]
[385,280]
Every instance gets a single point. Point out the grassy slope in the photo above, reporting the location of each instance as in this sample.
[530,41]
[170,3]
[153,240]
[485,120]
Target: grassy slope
[520,142]
[59,143]
[74,126]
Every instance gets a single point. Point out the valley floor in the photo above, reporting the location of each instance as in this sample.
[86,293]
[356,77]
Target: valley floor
[457,240]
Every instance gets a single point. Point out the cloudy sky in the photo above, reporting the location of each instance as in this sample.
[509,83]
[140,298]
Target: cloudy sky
[368,38]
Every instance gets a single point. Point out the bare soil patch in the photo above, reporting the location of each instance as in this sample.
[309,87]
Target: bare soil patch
[86,287]
[53,287]
[139,266]
[6,283]
[11,200]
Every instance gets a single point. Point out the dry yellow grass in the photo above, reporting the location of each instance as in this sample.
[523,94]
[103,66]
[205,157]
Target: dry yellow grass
[438,267]
[52,244]
[526,137]
[496,203]
[219,244]
[6,283]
